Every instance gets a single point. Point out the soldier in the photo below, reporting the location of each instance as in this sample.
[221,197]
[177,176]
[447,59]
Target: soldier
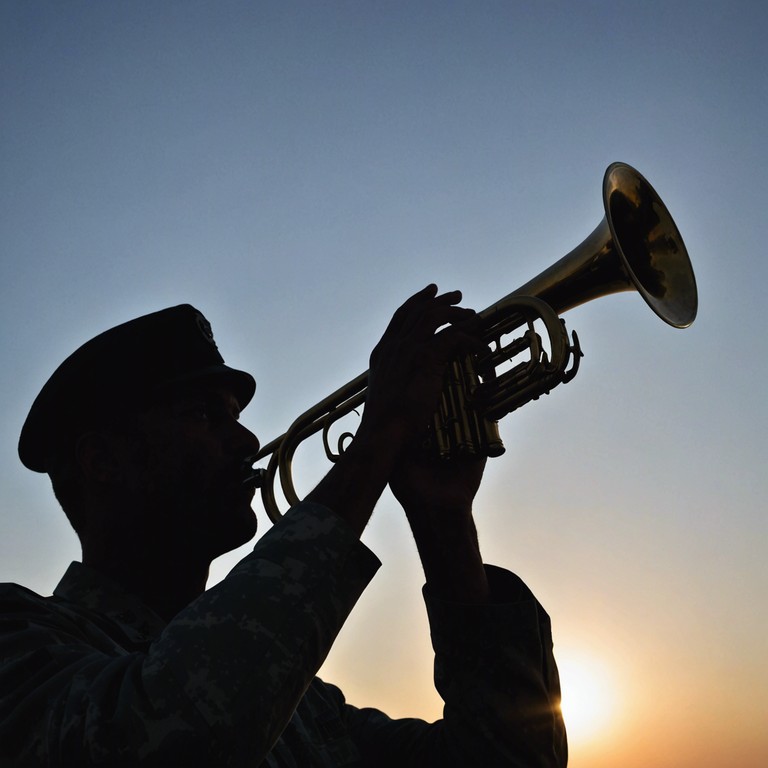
[133,662]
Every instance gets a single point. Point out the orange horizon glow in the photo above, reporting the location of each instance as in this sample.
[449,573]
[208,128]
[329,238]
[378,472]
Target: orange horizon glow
[590,702]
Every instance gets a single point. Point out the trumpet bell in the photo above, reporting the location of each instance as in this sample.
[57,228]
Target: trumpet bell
[649,245]
[636,247]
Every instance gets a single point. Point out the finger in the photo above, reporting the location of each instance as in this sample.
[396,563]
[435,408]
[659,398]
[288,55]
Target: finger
[422,314]
[436,315]
[426,312]
[471,324]
[452,342]
[423,300]
[449,297]
[409,306]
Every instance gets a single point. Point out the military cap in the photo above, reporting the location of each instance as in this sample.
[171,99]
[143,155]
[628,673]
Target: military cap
[126,364]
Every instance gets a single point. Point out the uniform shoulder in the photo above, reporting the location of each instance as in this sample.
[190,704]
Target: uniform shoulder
[13,596]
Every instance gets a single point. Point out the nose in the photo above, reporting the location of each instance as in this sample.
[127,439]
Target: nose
[251,477]
[248,443]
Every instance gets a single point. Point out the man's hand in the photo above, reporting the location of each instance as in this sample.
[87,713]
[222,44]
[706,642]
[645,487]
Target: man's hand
[423,481]
[404,386]
[436,495]
[408,364]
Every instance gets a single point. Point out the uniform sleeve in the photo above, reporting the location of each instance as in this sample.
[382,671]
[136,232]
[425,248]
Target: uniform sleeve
[217,686]
[496,673]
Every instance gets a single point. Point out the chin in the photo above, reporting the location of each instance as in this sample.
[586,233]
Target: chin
[240,529]
[249,527]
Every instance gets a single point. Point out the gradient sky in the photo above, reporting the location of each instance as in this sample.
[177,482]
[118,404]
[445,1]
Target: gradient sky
[296,169]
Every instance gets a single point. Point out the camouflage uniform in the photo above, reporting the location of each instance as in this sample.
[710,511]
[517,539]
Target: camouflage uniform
[91,676]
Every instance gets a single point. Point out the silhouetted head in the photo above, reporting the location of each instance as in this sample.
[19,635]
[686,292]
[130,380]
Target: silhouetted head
[144,417]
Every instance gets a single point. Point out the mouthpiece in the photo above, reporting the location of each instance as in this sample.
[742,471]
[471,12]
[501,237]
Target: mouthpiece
[253,477]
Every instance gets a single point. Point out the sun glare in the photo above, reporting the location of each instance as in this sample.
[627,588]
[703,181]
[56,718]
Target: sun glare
[588,699]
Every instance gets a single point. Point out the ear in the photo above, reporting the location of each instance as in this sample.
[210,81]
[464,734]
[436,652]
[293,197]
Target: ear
[96,455]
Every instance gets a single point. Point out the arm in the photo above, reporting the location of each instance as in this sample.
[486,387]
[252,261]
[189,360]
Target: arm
[495,671]
[216,687]
[437,497]
[494,666]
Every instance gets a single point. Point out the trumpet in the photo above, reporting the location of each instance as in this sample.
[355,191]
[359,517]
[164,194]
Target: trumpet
[635,247]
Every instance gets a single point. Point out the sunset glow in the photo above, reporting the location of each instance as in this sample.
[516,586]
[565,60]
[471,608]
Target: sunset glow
[589,700]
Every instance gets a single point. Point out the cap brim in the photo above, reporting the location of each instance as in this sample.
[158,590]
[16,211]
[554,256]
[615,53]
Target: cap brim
[242,384]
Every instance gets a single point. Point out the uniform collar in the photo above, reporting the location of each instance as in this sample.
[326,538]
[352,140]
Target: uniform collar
[89,589]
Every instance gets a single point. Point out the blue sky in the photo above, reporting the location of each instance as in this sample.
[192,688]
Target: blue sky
[296,169]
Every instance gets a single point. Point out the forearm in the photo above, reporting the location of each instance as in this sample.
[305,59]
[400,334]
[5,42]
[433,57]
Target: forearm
[355,483]
[450,555]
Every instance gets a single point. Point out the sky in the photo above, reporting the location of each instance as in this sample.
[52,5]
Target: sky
[297,169]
